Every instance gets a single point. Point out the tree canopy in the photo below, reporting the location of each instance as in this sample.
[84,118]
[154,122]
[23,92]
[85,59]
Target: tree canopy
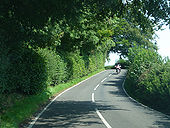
[38,21]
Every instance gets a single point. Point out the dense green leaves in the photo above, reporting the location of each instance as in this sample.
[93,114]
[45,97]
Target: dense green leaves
[148,78]
[23,71]
[48,42]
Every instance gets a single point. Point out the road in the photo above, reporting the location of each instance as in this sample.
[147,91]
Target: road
[99,102]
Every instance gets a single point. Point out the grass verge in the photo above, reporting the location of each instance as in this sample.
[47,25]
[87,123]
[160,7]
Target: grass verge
[25,106]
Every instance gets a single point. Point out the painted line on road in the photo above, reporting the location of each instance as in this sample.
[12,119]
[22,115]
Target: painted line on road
[99,84]
[103,119]
[123,86]
[100,115]
[38,116]
[103,80]
[96,87]
[93,97]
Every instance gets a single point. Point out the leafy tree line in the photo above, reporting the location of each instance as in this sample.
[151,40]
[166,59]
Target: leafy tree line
[42,49]
[148,78]
[46,42]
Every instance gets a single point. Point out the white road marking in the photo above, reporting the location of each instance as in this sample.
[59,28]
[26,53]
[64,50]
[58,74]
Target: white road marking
[100,115]
[93,97]
[99,84]
[103,80]
[103,119]
[96,87]
[38,116]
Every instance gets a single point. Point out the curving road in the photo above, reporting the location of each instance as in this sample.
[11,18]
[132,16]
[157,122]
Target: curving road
[99,102]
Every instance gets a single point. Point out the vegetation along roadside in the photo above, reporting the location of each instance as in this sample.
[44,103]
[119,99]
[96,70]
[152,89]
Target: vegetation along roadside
[46,44]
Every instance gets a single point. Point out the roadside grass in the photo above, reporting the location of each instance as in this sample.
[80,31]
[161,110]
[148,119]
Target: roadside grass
[25,106]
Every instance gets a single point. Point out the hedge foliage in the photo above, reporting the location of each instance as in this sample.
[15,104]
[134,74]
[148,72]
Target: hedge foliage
[148,78]
[56,41]
[22,71]
[29,70]
[56,68]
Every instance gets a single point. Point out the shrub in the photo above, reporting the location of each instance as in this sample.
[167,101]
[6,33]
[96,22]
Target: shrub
[149,78]
[96,61]
[4,67]
[56,68]
[24,72]
[76,65]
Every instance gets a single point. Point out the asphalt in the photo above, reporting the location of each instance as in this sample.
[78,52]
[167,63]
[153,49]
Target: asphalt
[99,102]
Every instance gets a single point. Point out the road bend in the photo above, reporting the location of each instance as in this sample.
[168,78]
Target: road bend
[99,102]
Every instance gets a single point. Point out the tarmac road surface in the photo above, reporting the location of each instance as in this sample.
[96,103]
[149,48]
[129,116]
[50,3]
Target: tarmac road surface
[99,102]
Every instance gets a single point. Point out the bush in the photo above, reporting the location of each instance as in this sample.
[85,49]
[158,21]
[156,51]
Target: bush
[24,72]
[81,65]
[28,71]
[148,76]
[109,67]
[4,67]
[56,68]
[76,65]
[96,61]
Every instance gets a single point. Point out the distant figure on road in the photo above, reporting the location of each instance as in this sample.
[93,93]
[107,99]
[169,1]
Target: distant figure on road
[118,68]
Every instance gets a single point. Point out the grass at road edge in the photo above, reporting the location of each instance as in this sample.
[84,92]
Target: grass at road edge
[27,106]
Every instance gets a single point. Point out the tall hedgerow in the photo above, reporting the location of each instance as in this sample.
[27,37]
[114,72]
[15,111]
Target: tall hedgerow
[148,78]
[56,68]
[22,71]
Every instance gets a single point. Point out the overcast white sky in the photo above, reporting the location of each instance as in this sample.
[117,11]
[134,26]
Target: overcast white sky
[163,43]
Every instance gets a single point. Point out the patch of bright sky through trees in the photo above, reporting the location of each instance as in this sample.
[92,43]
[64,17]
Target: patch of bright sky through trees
[163,43]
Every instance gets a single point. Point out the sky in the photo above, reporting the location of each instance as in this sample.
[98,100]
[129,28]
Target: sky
[163,43]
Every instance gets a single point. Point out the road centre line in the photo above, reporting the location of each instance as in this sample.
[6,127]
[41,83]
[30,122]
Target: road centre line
[99,84]
[103,80]
[103,119]
[38,116]
[100,115]
[93,97]
[96,87]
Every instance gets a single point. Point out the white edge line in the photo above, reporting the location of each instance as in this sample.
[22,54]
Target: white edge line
[102,118]
[123,86]
[36,118]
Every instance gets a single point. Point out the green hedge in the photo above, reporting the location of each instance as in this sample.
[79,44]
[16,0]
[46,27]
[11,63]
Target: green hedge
[56,68]
[148,78]
[28,71]
[81,65]
[23,71]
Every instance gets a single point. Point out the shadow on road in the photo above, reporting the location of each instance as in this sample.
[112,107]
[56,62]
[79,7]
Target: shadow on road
[64,114]
[117,91]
